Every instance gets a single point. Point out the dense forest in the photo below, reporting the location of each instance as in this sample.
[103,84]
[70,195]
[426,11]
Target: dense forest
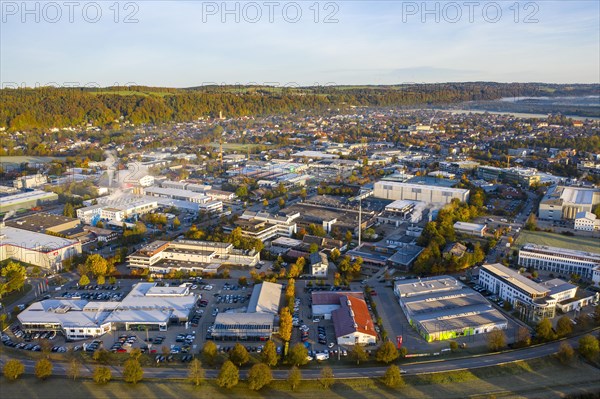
[46,107]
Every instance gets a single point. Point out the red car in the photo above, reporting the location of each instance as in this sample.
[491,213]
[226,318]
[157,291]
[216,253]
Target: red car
[373,293]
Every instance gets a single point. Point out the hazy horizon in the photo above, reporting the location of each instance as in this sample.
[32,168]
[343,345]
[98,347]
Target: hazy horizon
[185,44]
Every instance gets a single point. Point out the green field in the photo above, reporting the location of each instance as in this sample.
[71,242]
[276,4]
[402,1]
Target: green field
[542,378]
[558,240]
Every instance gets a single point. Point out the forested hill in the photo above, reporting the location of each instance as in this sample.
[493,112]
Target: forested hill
[40,108]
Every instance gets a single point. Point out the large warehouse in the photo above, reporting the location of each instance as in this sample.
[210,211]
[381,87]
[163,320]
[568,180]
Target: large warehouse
[436,195]
[26,200]
[561,202]
[38,249]
[441,308]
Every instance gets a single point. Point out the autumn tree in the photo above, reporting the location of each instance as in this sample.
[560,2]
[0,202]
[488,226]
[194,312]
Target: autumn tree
[84,280]
[269,354]
[523,337]
[102,375]
[96,265]
[195,372]
[544,331]
[298,354]
[326,378]
[387,352]
[132,371]
[209,352]
[259,376]
[43,369]
[358,354]
[294,377]
[588,347]
[74,369]
[564,326]
[285,324]
[565,353]
[13,369]
[496,340]
[392,377]
[229,375]
[239,355]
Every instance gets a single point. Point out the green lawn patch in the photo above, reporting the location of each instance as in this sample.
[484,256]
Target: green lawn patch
[587,244]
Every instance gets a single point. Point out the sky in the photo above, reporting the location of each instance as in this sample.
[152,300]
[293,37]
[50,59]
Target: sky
[287,43]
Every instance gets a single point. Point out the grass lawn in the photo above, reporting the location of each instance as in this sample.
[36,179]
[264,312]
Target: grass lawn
[541,377]
[558,240]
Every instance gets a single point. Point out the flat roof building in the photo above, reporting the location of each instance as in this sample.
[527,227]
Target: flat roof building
[265,298]
[430,194]
[147,304]
[563,202]
[190,255]
[561,261]
[26,200]
[45,251]
[441,308]
[470,228]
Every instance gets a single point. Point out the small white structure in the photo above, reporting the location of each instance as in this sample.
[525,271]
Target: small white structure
[318,264]
[470,228]
[587,221]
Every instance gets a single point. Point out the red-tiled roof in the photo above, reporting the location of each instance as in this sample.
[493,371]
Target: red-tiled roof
[352,316]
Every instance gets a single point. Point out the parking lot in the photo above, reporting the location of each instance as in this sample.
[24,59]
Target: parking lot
[178,341]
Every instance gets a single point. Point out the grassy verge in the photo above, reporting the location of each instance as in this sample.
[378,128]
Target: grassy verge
[540,377]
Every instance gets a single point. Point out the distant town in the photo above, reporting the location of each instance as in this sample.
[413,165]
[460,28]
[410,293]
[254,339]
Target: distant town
[346,240]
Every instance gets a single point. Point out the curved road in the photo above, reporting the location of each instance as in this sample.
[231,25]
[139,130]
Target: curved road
[430,366]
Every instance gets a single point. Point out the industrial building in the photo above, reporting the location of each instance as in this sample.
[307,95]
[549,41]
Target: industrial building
[430,194]
[26,200]
[562,202]
[352,321]
[330,213]
[441,308]
[146,305]
[190,255]
[45,251]
[258,323]
[31,181]
[45,223]
[561,261]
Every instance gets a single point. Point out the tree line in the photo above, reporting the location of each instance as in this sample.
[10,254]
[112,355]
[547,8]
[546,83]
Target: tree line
[46,107]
